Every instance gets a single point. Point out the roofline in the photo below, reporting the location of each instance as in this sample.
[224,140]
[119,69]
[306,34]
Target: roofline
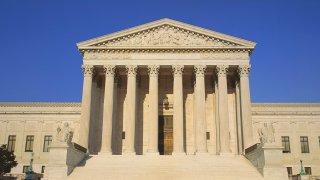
[303,104]
[40,104]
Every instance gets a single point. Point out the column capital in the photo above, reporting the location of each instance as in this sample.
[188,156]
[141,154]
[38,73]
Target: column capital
[132,70]
[153,70]
[109,70]
[222,70]
[177,70]
[244,70]
[88,70]
[200,70]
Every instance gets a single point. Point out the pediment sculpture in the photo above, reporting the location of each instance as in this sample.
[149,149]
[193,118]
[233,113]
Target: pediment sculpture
[166,35]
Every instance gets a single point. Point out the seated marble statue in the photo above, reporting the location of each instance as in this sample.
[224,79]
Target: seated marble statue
[64,134]
[266,133]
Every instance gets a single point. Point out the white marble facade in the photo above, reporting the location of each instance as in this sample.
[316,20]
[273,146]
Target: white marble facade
[204,76]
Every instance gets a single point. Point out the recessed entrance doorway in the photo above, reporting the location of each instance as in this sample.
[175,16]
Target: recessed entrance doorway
[165,140]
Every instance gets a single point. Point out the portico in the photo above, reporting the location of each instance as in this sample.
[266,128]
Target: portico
[166,68]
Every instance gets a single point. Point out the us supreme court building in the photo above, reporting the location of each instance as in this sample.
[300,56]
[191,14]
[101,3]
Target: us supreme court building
[165,100]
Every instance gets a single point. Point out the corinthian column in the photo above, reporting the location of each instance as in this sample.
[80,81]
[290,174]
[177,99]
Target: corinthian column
[153,109]
[131,109]
[177,110]
[109,71]
[243,71]
[88,71]
[201,127]
[221,71]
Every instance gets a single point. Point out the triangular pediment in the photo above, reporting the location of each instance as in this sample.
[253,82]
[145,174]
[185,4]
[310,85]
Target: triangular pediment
[166,33]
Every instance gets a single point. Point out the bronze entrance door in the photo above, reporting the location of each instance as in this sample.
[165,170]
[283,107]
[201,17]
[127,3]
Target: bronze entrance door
[165,135]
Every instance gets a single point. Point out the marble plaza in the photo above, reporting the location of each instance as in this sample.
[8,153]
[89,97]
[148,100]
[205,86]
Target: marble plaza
[164,100]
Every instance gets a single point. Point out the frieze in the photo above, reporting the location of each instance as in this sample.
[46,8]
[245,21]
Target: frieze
[131,55]
[225,56]
[106,56]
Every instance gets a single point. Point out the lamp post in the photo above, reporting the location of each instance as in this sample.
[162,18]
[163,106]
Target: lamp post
[30,170]
[301,169]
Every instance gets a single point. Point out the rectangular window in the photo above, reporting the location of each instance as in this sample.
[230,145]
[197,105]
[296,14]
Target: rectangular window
[29,144]
[304,144]
[286,144]
[25,169]
[11,142]
[307,170]
[42,169]
[289,170]
[47,142]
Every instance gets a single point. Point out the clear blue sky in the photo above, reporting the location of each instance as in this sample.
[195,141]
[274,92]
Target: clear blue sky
[40,61]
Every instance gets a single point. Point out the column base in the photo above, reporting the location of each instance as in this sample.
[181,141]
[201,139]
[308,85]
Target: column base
[105,153]
[202,154]
[152,153]
[132,153]
[178,154]
[227,154]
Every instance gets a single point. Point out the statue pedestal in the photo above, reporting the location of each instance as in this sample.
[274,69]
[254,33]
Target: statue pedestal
[273,168]
[63,158]
[267,159]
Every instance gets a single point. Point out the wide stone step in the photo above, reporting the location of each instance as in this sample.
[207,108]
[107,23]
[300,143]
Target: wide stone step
[165,167]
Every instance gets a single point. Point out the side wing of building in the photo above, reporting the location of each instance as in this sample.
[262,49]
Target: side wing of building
[297,128]
[30,127]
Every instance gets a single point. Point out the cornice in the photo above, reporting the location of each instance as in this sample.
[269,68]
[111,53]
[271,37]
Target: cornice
[294,109]
[317,105]
[164,49]
[40,104]
[12,108]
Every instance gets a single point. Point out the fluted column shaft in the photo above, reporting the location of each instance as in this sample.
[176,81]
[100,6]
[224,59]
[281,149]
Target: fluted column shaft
[221,71]
[131,109]
[153,109]
[177,109]
[109,71]
[244,71]
[201,127]
[88,72]
[239,122]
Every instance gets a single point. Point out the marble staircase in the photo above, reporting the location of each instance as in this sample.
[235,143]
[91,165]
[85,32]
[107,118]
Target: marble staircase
[122,167]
